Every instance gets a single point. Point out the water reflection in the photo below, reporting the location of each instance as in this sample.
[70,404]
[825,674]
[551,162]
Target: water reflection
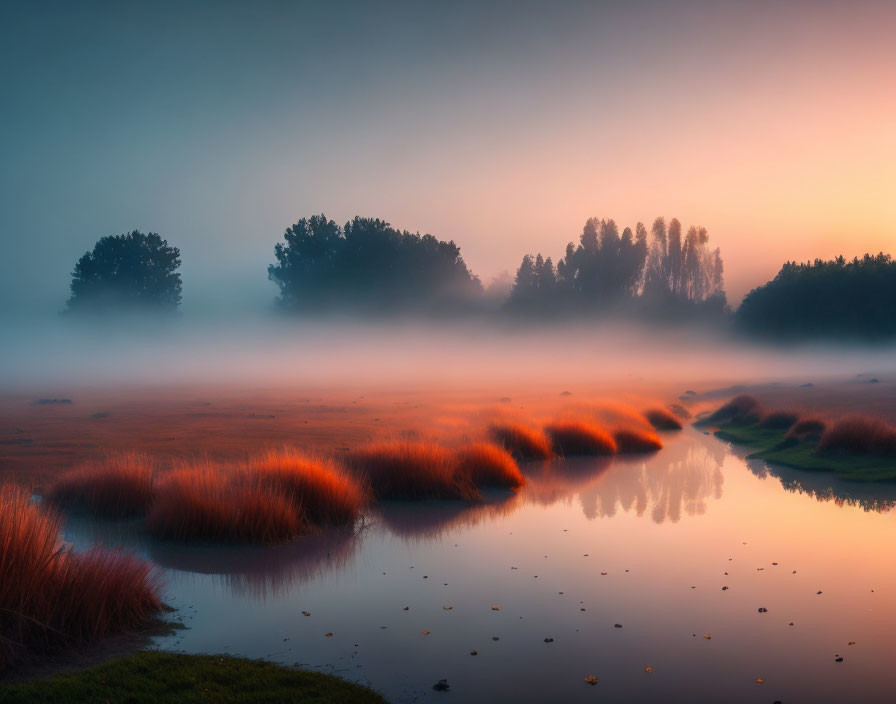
[257,571]
[429,520]
[681,478]
[824,486]
[262,572]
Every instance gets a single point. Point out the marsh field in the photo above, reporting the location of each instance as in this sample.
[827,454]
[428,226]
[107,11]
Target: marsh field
[585,537]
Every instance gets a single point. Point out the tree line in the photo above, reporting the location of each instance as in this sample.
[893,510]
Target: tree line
[368,266]
[667,273]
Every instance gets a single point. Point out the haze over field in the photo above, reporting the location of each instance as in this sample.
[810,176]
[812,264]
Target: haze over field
[502,126]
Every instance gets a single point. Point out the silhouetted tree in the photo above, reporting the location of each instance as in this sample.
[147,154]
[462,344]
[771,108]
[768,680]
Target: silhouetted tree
[132,271]
[609,270]
[367,264]
[836,298]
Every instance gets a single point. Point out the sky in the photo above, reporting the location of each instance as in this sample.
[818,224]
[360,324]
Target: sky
[500,125]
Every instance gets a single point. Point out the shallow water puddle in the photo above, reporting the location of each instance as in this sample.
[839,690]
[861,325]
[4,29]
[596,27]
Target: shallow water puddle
[613,570]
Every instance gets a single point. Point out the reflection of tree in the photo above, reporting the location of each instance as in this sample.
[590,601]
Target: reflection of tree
[427,520]
[679,478]
[824,486]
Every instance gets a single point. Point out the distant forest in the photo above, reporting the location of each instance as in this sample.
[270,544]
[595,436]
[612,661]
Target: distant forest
[367,266]
[834,299]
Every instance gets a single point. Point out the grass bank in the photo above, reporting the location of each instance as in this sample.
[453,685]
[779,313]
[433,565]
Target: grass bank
[859,448]
[158,678]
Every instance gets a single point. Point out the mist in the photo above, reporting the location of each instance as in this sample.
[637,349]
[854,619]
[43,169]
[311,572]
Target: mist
[51,354]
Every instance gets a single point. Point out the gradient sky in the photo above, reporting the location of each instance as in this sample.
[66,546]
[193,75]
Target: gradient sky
[502,127]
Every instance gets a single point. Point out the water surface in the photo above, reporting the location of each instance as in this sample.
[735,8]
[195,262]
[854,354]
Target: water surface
[647,544]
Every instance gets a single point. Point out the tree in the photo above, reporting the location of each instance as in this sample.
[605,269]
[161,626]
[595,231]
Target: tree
[835,299]
[127,272]
[368,264]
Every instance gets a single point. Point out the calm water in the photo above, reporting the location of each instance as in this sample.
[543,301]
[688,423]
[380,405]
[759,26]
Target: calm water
[585,546]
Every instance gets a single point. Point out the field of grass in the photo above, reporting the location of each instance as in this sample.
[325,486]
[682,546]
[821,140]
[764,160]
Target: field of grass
[163,678]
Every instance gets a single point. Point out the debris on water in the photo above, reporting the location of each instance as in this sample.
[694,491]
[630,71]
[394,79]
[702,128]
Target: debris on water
[329,635]
[648,669]
[774,563]
[441,686]
[759,680]
[495,638]
[447,608]
[617,625]
[582,609]
[426,633]
[495,607]
[592,680]
[548,640]
[852,642]
[603,573]
[474,652]
[707,636]
[763,610]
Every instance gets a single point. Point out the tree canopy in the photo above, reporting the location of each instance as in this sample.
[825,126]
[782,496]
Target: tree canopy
[367,264]
[126,272]
[608,269]
[836,298]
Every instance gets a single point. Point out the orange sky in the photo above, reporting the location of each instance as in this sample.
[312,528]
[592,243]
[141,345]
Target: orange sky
[503,126]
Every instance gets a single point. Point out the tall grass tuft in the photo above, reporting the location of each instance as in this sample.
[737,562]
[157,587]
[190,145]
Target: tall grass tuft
[806,428]
[574,437]
[411,470]
[487,465]
[860,435]
[778,420]
[119,486]
[662,419]
[320,489]
[521,441]
[205,502]
[51,597]
[740,409]
[637,441]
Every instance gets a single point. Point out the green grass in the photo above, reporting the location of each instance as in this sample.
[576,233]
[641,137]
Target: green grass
[773,446]
[152,677]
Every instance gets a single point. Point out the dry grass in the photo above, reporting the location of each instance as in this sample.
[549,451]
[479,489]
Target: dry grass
[576,437]
[521,441]
[411,470]
[740,409]
[779,420]
[119,486]
[807,428]
[637,441]
[860,435]
[324,492]
[51,597]
[207,502]
[662,419]
[487,465]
